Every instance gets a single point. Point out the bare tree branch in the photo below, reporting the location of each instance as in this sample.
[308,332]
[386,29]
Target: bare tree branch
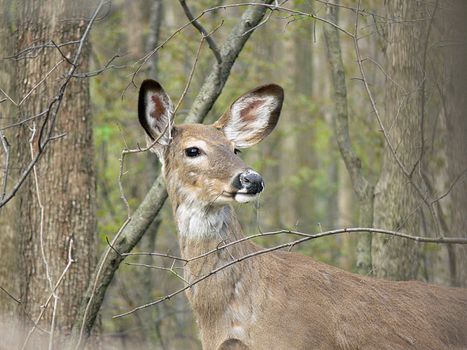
[247,30]
[10,295]
[23,53]
[212,44]
[162,255]
[305,237]
[276,6]
[6,150]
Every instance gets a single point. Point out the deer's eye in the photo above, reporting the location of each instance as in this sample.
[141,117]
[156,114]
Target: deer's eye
[237,151]
[192,152]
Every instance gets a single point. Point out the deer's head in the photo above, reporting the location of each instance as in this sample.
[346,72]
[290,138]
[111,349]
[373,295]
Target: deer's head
[200,162]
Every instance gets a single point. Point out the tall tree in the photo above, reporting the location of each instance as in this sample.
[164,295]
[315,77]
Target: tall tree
[453,79]
[56,204]
[396,197]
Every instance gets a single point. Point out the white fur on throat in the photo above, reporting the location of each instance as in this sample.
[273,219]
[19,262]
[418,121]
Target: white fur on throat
[197,222]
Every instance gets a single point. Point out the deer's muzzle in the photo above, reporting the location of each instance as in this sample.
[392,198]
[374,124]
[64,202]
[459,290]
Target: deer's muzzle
[249,182]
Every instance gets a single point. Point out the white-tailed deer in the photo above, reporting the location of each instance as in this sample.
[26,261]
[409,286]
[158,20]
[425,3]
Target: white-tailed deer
[278,300]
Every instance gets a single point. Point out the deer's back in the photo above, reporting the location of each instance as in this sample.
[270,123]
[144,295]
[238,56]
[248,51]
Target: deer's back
[309,305]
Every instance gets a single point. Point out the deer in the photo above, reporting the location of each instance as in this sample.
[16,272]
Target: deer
[278,300]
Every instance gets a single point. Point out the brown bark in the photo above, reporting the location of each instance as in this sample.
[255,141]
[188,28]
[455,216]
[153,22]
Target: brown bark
[288,155]
[65,173]
[454,58]
[397,201]
[155,22]
[345,202]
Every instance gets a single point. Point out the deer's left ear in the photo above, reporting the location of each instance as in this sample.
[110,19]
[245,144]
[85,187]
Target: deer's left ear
[252,116]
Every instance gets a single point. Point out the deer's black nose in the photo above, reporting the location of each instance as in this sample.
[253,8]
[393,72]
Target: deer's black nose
[249,182]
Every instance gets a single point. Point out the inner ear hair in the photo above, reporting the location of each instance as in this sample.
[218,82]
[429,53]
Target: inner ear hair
[252,116]
[146,86]
[155,111]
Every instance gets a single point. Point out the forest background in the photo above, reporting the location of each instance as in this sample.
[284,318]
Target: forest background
[372,134]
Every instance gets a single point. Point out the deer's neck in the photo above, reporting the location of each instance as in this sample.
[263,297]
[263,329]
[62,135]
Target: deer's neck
[222,301]
[205,228]
[208,228]
[201,223]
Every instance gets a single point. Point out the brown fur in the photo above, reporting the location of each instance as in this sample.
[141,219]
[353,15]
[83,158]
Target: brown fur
[283,300]
[299,303]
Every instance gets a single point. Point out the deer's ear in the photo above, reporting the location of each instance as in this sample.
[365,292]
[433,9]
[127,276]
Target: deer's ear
[252,116]
[155,112]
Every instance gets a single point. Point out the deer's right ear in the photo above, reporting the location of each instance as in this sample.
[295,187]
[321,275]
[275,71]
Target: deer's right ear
[155,112]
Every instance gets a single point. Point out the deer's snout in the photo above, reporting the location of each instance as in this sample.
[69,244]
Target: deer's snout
[249,182]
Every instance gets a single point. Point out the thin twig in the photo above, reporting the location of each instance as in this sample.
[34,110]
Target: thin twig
[61,52]
[52,323]
[25,120]
[268,17]
[107,66]
[6,149]
[285,9]
[44,307]
[169,269]
[41,208]
[162,255]
[41,241]
[10,295]
[453,183]
[423,92]
[49,44]
[146,57]
[40,82]
[101,265]
[305,237]
[212,44]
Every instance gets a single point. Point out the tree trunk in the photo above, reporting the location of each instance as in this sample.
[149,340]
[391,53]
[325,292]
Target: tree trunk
[56,208]
[345,207]
[362,188]
[454,66]
[155,22]
[288,160]
[397,202]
